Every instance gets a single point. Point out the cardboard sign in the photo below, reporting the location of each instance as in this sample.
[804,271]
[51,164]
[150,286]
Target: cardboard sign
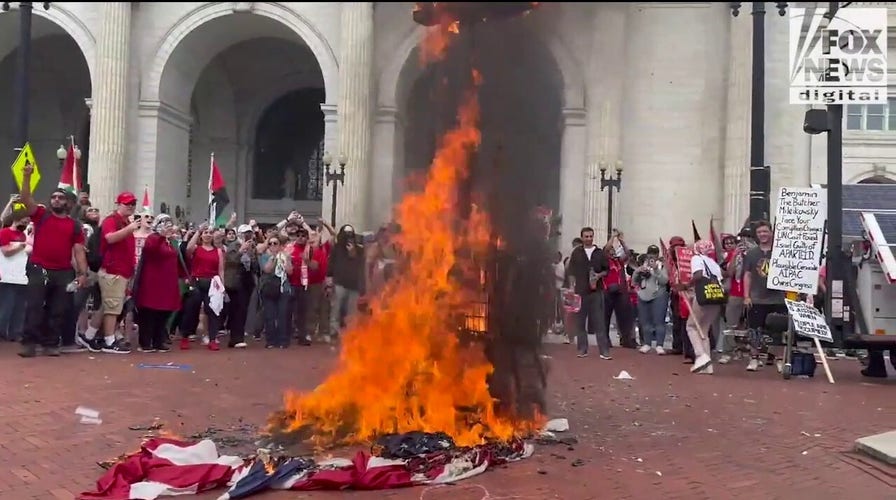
[808,321]
[684,255]
[799,234]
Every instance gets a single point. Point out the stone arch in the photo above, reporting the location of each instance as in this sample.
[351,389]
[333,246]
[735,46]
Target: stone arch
[877,179]
[402,69]
[72,25]
[876,175]
[152,83]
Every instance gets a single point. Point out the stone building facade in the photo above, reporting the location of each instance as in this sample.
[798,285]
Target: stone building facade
[149,90]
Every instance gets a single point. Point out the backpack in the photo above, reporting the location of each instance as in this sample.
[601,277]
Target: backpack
[94,256]
[94,249]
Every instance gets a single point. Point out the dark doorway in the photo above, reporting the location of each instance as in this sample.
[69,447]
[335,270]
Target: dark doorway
[289,148]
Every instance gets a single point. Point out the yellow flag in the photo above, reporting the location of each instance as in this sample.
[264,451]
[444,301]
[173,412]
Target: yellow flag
[26,156]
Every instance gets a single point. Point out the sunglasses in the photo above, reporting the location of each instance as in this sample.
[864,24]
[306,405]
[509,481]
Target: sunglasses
[273,243]
[131,204]
[57,197]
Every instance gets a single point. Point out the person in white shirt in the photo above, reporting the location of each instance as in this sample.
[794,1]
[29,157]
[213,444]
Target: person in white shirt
[702,317]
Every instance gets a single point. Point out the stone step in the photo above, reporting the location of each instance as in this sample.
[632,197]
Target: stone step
[879,446]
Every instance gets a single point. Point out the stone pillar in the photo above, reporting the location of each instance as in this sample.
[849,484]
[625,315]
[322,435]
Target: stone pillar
[604,112]
[736,188]
[331,133]
[384,164]
[355,110]
[108,125]
[573,172]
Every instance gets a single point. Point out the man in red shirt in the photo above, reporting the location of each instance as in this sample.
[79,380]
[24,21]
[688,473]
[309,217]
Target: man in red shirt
[57,238]
[118,247]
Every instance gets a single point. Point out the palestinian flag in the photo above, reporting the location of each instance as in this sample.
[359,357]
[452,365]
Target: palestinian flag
[696,233]
[69,179]
[217,196]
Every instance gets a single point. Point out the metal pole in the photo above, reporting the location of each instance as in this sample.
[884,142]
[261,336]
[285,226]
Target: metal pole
[835,270]
[759,195]
[22,75]
[610,211]
[333,205]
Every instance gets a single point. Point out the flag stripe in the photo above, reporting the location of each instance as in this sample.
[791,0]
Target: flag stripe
[165,467]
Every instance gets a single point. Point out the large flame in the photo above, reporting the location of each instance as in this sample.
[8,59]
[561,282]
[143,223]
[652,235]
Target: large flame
[402,367]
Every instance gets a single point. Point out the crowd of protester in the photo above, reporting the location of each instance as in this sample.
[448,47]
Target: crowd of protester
[72,280]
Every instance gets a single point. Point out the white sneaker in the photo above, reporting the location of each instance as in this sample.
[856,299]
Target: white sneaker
[240,345]
[701,362]
[660,351]
[724,359]
[706,371]
[205,340]
[644,349]
[753,365]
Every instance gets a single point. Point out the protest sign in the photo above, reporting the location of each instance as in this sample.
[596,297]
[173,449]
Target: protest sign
[799,235]
[808,321]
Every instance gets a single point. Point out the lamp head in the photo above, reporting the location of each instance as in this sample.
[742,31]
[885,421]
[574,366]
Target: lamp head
[619,167]
[328,159]
[735,8]
[343,160]
[61,153]
[77,153]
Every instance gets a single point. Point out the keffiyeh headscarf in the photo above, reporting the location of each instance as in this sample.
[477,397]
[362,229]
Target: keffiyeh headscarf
[703,247]
[162,223]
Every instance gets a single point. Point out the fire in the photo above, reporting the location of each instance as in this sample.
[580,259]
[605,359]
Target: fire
[436,40]
[402,367]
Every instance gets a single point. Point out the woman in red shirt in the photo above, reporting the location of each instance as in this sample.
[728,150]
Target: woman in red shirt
[206,262]
[616,293]
[157,290]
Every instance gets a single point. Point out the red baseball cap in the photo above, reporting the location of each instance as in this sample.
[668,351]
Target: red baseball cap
[677,241]
[126,198]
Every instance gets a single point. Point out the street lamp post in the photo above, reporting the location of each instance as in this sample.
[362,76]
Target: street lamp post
[62,153]
[760,175]
[23,70]
[611,183]
[336,178]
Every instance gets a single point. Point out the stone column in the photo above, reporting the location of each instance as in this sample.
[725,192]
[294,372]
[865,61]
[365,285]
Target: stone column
[108,125]
[573,172]
[737,133]
[355,110]
[331,133]
[384,165]
[604,112]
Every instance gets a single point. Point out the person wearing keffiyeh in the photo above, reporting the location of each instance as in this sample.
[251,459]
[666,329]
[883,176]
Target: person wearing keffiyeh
[276,265]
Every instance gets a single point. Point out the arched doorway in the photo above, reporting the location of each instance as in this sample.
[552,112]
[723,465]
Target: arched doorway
[877,179]
[59,85]
[224,79]
[521,101]
[287,160]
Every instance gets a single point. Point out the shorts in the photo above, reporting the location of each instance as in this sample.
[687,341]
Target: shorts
[113,289]
[758,314]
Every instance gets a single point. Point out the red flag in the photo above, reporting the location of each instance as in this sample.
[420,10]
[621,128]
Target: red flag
[147,206]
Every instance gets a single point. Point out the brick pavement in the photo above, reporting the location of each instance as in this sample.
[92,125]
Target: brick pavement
[666,434]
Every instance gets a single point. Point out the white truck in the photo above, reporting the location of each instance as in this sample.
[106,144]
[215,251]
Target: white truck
[875,285]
